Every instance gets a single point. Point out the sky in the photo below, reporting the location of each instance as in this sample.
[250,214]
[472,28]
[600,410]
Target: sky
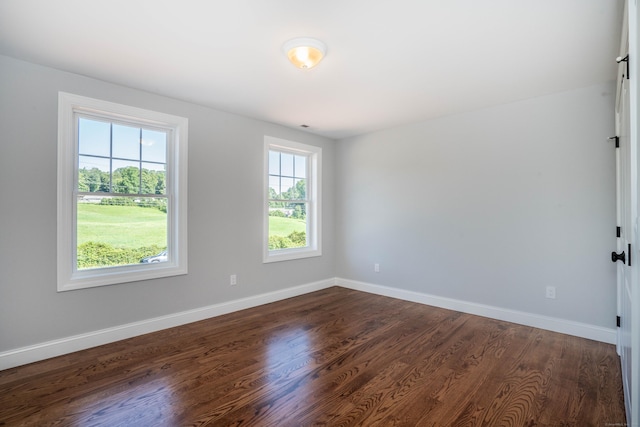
[100,141]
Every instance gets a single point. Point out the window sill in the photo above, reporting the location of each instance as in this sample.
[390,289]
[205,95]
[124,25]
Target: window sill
[91,278]
[290,254]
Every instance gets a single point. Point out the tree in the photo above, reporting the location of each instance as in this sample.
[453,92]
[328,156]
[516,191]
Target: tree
[301,189]
[148,182]
[83,184]
[93,180]
[297,192]
[273,195]
[161,183]
[126,180]
[298,211]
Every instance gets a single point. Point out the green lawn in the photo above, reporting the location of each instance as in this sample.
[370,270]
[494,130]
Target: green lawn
[281,226]
[121,226]
[134,227]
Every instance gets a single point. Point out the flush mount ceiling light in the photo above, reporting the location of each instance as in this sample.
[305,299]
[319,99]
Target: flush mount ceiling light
[304,52]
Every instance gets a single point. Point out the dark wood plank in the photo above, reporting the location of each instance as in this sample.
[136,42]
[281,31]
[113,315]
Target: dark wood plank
[336,357]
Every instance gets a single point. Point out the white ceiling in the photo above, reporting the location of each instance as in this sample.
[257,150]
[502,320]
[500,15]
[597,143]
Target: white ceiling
[388,62]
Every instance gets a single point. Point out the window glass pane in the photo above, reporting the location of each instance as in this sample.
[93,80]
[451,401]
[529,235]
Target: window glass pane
[120,231]
[94,137]
[126,177]
[286,162]
[274,163]
[301,166]
[154,146]
[286,188]
[93,174]
[277,209]
[300,189]
[274,187]
[287,226]
[126,142]
[153,179]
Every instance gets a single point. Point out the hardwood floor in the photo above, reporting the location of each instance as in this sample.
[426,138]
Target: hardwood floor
[336,357]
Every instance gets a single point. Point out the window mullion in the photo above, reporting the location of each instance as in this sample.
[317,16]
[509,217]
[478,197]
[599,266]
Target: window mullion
[279,173]
[110,158]
[140,161]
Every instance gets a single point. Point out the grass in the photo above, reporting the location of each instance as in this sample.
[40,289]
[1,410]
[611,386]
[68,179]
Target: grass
[121,226]
[134,227]
[281,226]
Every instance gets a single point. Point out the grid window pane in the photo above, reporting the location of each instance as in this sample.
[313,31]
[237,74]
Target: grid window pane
[112,159]
[300,189]
[94,137]
[287,225]
[153,178]
[286,188]
[93,174]
[274,187]
[288,203]
[154,146]
[126,177]
[126,142]
[286,164]
[121,230]
[300,167]
[274,163]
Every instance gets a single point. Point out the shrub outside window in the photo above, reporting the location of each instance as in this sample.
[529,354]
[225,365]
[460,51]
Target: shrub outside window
[121,193]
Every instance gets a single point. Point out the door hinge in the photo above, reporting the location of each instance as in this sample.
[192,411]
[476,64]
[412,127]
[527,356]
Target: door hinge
[616,139]
[629,255]
[620,59]
[618,231]
[618,321]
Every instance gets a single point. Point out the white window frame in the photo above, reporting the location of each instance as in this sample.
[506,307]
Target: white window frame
[314,197]
[69,277]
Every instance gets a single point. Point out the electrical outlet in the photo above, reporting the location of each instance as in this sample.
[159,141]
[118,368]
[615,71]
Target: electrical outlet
[233,280]
[550,292]
[376,267]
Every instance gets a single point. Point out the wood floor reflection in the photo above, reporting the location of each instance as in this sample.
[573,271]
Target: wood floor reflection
[336,357]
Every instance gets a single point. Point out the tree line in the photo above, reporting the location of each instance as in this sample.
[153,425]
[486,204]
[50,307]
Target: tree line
[127,180]
[295,194]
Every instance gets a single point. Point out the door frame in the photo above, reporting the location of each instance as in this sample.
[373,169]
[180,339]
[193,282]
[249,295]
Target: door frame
[631,324]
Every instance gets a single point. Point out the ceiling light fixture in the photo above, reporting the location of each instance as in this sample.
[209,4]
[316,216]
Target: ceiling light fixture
[304,52]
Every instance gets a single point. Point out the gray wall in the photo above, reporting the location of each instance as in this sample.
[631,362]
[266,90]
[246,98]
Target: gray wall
[488,207]
[225,213]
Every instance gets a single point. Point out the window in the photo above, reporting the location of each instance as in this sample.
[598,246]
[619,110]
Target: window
[122,193]
[292,200]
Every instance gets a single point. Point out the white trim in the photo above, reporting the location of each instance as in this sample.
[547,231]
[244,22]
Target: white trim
[34,353]
[583,330]
[631,326]
[41,351]
[314,196]
[68,277]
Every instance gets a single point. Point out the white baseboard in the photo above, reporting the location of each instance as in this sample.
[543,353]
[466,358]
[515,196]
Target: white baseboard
[41,351]
[46,350]
[563,326]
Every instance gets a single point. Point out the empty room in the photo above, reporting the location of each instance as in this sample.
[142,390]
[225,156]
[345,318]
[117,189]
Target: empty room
[336,213]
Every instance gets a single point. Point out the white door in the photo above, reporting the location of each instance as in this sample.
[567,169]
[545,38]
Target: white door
[626,257]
